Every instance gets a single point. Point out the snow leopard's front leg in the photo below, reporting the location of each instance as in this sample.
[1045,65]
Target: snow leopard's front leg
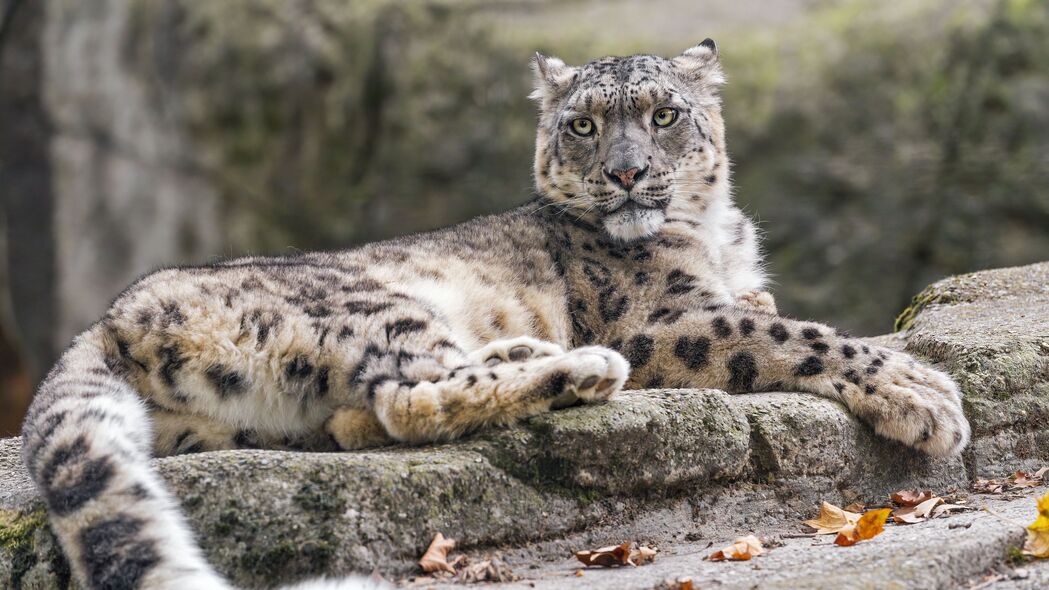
[742,351]
[504,382]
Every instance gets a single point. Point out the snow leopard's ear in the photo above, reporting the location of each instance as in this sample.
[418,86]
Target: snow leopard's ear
[552,78]
[699,65]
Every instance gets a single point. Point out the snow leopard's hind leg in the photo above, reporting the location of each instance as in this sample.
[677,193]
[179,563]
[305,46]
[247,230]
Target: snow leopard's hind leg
[533,377]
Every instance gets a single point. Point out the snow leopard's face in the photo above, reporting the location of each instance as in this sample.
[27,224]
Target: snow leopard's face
[625,140]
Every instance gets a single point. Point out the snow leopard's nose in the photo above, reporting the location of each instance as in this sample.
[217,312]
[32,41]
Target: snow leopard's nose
[626,178]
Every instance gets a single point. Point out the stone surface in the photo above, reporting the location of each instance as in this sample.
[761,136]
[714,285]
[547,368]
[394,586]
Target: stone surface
[990,330]
[945,553]
[666,466]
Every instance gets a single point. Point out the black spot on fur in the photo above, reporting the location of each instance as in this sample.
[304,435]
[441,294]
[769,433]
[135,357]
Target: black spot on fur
[298,368]
[322,381]
[125,353]
[171,360]
[366,307]
[866,349]
[227,382]
[82,478]
[375,382]
[810,333]
[877,362]
[114,555]
[809,367]
[692,351]
[471,380]
[743,370]
[610,306]
[641,278]
[722,329]
[171,314]
[344,333]
[871,370]
[839,387]
[869,389]
[848,351]
[639,350]
[779,332]
[680,282]
[746,326]
[404,326]
[666,315]
[820,347]
[852,376]
[246,439]
[554,385]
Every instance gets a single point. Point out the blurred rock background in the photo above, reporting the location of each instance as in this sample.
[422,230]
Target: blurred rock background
[881,145]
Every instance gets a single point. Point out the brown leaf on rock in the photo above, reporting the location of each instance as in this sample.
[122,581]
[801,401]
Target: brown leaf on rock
[916,514]
[870,525]
[1017,481]
[742,549]
[488,570]
[909,498]
[436,557]
[855,507]
[616,555]
[832,519]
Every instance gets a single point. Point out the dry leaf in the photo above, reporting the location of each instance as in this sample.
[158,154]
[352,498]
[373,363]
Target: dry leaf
[855,507]
[1016,481]
[946,509]
[741,550]
[614,555]
[1037,544]
[489,570]
[832,519]
[682,584]
[642,555]
[870,525]
[436,557]
[908,498]
[1022,479]
[606,556]
[579,573]
[918,513]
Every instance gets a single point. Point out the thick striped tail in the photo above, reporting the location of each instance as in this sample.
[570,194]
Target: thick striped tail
[87,444]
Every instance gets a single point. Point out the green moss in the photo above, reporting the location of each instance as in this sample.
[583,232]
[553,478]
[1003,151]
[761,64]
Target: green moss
[17,528]
[927,297]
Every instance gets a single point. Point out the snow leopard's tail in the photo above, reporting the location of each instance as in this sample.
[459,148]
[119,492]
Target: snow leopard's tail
[87,445]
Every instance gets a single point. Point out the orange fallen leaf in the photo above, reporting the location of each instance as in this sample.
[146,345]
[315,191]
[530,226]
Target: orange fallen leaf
[908,498]
[742,549]
[436,557]
[870,525]
[832,519]
[1037,544]
[916,514]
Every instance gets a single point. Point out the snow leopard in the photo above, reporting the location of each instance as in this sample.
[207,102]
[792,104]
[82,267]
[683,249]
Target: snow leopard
[630,268]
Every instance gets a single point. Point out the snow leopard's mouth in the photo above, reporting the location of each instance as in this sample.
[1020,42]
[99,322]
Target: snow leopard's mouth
[633,205]
[633,220]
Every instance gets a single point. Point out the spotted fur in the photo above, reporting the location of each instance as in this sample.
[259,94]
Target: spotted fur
[631,252]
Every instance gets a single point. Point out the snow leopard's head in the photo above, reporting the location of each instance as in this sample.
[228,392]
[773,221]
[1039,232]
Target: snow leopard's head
[627,140]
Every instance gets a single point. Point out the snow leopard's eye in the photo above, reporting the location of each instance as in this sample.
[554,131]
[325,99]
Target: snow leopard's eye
[582,126]
[664,117]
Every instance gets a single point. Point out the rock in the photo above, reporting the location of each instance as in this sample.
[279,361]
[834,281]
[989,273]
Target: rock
[990,330]
[658,463]
[647,440]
